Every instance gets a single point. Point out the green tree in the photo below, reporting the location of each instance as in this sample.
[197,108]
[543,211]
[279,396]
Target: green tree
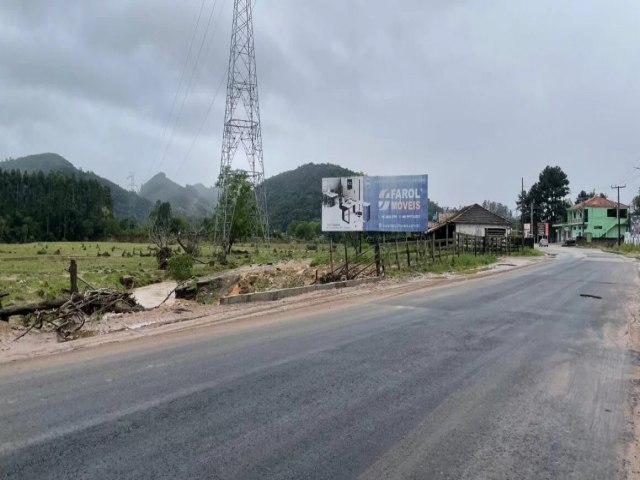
[161,231]
[498,208]
[239,202]
[584,196]
[547,196]
[635,205]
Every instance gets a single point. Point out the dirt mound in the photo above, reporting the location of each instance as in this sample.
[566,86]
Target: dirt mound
[289,275]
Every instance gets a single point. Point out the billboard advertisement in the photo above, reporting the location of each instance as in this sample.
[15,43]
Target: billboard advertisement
[375,204]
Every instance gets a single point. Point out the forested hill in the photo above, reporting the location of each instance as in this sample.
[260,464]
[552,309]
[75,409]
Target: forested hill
[52,206]
[297,194]
[123,201]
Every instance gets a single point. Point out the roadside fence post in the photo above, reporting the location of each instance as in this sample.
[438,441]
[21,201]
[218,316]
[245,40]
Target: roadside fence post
[73,276]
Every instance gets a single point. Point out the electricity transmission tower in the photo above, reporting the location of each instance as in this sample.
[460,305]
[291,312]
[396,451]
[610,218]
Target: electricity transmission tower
[242,134]
[132,188]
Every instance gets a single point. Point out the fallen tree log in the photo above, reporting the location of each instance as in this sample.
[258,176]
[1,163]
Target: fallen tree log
[29,308]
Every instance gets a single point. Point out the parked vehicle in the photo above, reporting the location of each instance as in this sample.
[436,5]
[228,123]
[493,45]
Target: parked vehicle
[544,242]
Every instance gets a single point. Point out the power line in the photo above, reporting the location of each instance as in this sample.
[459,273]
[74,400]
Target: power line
[213,98]
[188,89]
[204,121]
[184,69]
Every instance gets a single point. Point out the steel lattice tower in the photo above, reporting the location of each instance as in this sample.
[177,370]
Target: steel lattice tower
[242,126]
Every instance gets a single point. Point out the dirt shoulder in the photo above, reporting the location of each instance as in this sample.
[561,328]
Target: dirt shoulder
[631,457]
[183,316]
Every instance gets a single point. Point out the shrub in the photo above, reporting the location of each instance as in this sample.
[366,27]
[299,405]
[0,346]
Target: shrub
[180,266]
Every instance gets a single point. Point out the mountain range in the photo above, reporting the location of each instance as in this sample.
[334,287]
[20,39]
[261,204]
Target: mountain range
[291,195]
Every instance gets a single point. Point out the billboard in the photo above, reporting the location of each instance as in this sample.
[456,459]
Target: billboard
[375,204]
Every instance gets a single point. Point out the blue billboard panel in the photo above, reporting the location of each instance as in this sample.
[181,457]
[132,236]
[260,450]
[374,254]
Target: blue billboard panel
[401,203]
[375,204]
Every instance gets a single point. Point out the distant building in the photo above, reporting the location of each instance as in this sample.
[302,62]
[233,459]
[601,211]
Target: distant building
[472,220]
[595,218]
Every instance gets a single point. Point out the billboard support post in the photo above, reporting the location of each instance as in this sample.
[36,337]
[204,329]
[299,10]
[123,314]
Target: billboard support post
[377,254]
[331,253]
[346,258]
[406,244]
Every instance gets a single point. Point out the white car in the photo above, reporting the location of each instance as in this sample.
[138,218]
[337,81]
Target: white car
[543,242]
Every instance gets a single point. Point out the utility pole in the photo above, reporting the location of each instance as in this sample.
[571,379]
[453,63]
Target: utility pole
[531,224]
[522,210]
[242,132]
[618,187]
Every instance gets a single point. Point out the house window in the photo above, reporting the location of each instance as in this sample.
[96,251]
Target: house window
[586,216]
[611,213]
[597,227]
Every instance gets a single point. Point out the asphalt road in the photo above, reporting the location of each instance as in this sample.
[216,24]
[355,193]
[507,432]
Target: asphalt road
[511,376]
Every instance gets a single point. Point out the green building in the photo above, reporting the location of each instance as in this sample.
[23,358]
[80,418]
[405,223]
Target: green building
[596,218]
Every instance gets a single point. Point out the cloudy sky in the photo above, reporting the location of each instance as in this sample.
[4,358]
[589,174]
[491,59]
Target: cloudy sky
[475,93]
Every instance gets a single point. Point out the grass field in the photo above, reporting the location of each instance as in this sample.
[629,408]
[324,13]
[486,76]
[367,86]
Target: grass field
[36,271]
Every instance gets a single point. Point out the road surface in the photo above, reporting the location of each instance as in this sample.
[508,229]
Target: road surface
[507,377]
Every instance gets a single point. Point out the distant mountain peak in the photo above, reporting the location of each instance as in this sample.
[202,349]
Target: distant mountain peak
[45,162]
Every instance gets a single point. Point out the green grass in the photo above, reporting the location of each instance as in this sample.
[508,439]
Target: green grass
[36,271]
[627,248]
[465,262]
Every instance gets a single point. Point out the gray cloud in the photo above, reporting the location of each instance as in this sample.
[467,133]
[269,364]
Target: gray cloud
[477,94]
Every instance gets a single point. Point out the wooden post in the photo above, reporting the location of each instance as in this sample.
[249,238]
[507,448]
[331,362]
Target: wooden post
[378,262]
[331,254]
[73,276]
[406,243]
[425,250]
[433,247]
[346,258]
[446,226]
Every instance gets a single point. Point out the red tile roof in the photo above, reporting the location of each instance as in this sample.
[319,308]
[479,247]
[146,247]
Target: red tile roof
[598,202]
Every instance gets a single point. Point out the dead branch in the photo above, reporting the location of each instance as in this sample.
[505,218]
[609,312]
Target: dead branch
[68,316]
[179,285]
